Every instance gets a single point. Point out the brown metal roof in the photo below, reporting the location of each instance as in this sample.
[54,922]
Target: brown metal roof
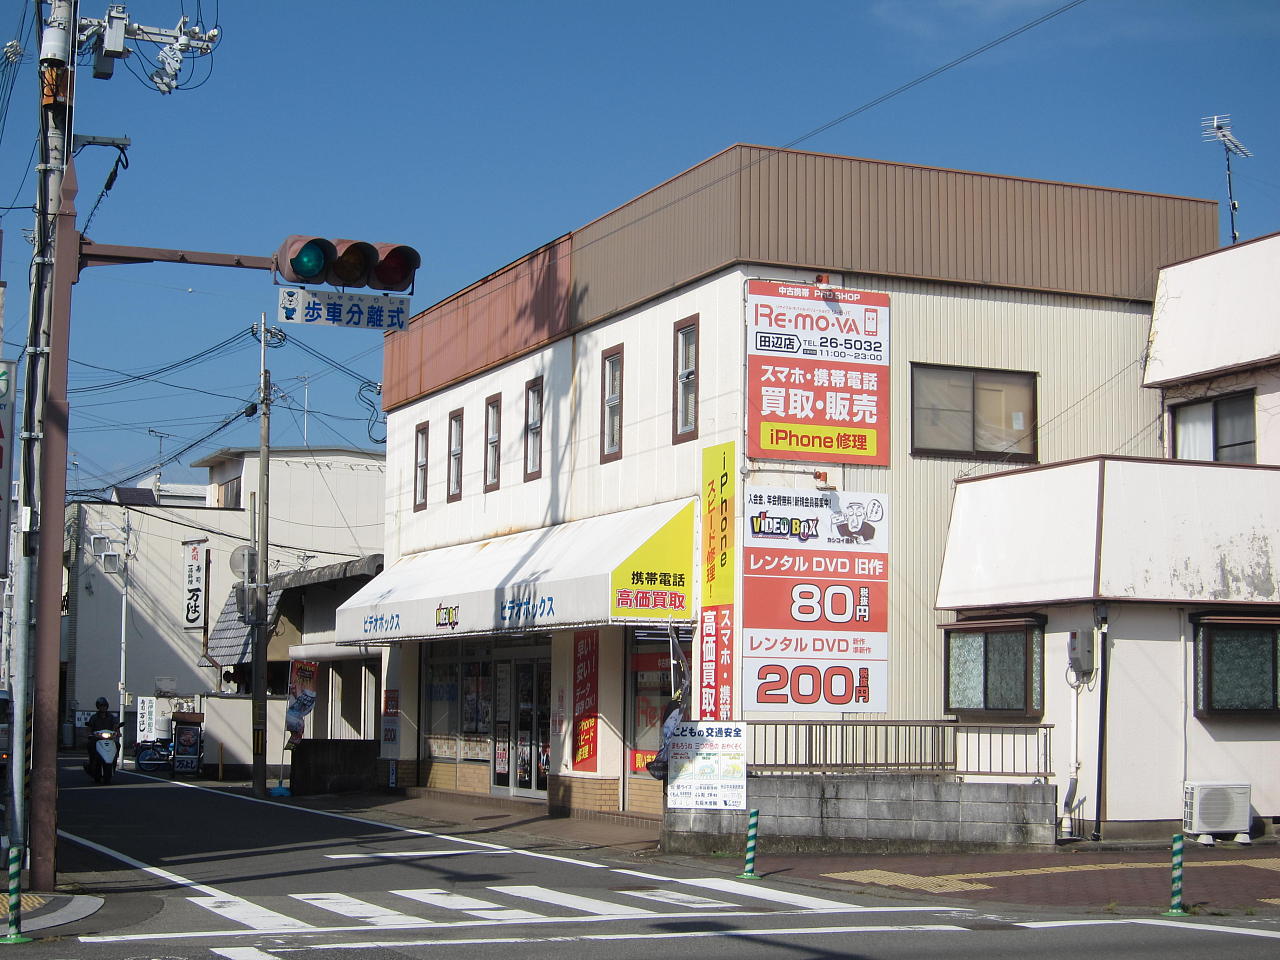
[790,208]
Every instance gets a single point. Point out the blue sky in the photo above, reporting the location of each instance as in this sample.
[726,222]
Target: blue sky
[478,131]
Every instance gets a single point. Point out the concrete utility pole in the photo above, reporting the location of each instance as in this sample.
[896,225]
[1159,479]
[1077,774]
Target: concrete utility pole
[42,482]
[263,586]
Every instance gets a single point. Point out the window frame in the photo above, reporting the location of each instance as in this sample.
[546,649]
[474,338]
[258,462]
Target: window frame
[454,464]
[492,442]
[1207,625]
[1213,403]
[679,376]
[421,448]
[606,356]
[1033,659]
[533,435]
[973,453]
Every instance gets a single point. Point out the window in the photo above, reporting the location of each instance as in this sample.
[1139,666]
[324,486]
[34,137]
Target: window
[420,466]
[995,667]
[533,429]
[1237,661]
[684,381]
[1218,429]
[984,414]
[455,457]
[492,442]
[611,404]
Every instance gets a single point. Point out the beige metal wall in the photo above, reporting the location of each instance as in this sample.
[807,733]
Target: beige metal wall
[1086,354]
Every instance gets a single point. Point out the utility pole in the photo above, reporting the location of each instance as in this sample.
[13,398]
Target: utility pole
[262,587]
[55,266]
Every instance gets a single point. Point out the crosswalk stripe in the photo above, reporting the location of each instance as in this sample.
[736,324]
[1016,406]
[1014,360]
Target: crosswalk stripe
[250,914]
[470,905]
[676,897]
[572,901]
[346,906]
[738,888]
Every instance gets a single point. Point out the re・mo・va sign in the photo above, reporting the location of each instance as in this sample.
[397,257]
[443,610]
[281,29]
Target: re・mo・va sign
[817,373]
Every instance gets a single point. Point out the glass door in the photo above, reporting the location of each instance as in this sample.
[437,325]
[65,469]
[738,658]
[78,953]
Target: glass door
[522,727]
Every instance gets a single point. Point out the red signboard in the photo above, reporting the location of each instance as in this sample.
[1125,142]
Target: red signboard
[817,373]
[586,699]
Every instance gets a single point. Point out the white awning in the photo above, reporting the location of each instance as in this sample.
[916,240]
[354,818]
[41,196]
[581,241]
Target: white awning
[635,566]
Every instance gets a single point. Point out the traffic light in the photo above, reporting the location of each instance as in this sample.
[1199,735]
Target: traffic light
[347,263]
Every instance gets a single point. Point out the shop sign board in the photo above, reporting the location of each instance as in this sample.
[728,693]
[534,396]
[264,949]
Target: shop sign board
[586,698]
[717,557]
[815,592]
[656,581]
[195,580]
[817,373]
[146,719]
[707,766]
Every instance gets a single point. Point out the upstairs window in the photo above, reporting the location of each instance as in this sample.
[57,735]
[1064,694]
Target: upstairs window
[978,414]
[455,457]
[995,669]
[420,466]
[1218,429]
[492,442]
[684,381]
[1237,665]
[611,404]
[533,429]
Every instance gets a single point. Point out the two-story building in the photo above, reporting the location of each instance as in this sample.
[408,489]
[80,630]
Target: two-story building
[734,410]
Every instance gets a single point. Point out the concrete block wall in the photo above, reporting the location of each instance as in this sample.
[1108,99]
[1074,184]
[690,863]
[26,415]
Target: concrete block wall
[872,813]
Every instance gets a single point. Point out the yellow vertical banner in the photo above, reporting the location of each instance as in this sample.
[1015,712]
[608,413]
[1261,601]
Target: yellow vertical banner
[718,545]
[718,510]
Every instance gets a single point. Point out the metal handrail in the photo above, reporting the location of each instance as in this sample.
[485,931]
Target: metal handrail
[908,746]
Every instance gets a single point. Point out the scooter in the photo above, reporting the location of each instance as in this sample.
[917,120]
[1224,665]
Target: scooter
[103,752]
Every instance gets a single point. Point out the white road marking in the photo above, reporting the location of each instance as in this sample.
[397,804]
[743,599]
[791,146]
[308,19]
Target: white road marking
[242,953]
[664,935]
[464,904]
[354,909]
[139,865]
[677,897]
[572,901]
[415,853]
[249,913]
[1210,928]
[751,890]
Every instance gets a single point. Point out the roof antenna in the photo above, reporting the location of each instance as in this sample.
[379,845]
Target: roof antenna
[1218,127]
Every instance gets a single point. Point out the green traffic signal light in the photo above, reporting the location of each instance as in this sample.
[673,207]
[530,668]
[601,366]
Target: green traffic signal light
[309,261]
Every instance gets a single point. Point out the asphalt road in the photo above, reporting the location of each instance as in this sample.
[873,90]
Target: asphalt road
[187,872]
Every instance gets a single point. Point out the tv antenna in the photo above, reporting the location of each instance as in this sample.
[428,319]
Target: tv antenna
[1218,127]
[160,457]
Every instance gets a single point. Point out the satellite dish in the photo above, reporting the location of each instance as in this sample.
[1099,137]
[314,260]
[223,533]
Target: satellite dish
[244,561]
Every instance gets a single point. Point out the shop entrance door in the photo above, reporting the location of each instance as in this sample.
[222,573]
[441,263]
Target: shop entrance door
[522,727]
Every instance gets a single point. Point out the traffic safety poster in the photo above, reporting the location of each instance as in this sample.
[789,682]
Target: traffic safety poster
[817,373]
[815,601]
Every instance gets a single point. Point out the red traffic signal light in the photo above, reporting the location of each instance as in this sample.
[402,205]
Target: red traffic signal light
[347,263]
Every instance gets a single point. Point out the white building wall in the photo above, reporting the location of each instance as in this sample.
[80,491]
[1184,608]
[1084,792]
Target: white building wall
[321,514]
[1216,312]
[1154,740]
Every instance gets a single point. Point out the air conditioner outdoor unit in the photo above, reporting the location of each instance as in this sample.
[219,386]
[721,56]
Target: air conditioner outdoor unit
[1212,807]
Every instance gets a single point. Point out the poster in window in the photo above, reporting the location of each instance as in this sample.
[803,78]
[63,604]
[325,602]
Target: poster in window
[815,594]
[817,373]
